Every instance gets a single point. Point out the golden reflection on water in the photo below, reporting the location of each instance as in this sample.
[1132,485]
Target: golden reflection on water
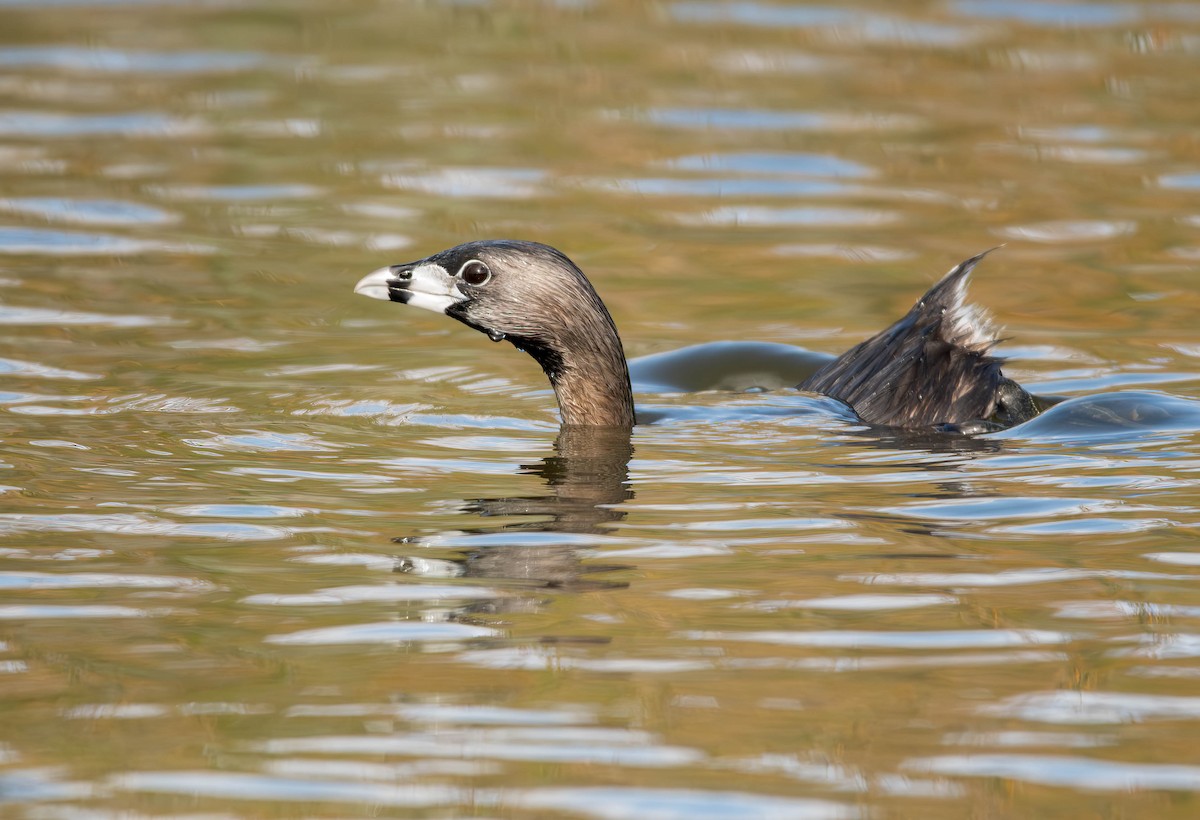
[754,608]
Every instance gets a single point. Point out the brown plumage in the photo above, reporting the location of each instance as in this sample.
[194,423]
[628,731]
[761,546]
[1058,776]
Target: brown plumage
[932,368]
[535,298]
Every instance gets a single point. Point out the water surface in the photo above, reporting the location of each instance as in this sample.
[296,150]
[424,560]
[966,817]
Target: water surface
[271,549]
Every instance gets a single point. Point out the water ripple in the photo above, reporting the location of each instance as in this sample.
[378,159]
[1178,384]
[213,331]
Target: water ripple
[719,187]
[1035,13]
[855,603]
[1126,414]
[760,216]
[767,120]
[448,713]
[14,367]
[128,524]
[242,511]
[703,594]
[113,405]
[242,344]
[773,164]
[281,475]
[88,211]
[242,786]
[74,243]
[759,14]
[763,61]
[498,183]
[1072,707]
[582,745]
[1191,559]
[234,193]
[607,803]
[991,509]
[119,711]
[619,803]
[1069,231]
[538,658]
[1100,155]
[848,253]
[26,786]
[386,632]
[841,23]
[50,124]
[358,770]
[1101,610]
[387,593]
[840,777]
[1064,740]
[1076,772]
[97,580]
[1014,577]
[262,441]
[1187,181]
[896,31]
[1161,646]
[89,60]
[21,612]
[875,663]
[69,554]
[860,639]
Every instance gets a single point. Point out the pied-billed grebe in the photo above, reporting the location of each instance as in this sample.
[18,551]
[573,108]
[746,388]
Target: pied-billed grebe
[932,368]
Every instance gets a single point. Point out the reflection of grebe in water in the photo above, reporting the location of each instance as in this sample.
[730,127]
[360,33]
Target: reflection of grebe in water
[587,480]
[932,368]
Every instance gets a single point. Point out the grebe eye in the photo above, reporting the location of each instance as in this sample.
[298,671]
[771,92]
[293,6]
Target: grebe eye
[475,273]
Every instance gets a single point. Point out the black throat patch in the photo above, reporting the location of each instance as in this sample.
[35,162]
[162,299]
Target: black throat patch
[551,360]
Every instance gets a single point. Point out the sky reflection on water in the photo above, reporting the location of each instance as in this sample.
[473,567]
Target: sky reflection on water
[267,547]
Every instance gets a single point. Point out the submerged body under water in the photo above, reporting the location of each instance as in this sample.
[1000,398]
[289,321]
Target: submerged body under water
[762,366]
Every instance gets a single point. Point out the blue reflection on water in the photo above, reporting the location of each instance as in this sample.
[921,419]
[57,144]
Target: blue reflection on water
[740,119]
[725,187]
[1037,13]
[758,14]
[50,124]
[88,211]
[39,240]
[765,162]
[1180,181]
[81,58]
